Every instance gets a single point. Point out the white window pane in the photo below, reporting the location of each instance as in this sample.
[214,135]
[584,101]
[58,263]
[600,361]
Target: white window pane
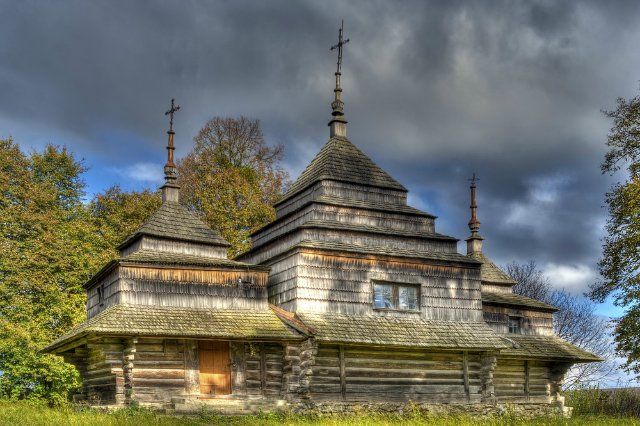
[408,298]
[383,296]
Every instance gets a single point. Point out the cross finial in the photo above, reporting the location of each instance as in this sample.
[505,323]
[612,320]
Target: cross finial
[474,242]
[338,124]
[170,188]
[473,180]
[341,42]
[174,108]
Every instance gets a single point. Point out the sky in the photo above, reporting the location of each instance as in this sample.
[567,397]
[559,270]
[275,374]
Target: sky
[433,91]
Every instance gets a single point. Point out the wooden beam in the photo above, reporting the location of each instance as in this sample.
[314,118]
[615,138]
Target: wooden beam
[191,367]
[263,368]
[343,375]
[465,371]
[526,378]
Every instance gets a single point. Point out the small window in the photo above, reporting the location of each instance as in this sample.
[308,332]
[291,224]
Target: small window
[515,325]
[101,294]
[395,296]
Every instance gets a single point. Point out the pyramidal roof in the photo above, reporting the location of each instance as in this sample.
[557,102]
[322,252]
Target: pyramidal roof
[341,160]
[173,221]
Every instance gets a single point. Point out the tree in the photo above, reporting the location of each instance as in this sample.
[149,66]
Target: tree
[575,322]
[44,237]
[117,214]
[51,243]
[232,178]
[620,263]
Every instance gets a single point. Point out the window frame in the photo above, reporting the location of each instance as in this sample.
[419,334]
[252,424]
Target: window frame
[519,321]
[395,295]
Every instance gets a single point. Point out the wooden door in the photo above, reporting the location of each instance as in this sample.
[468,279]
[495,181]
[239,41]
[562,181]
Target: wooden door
[215,371]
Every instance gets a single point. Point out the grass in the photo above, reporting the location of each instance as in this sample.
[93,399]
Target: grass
[26,413]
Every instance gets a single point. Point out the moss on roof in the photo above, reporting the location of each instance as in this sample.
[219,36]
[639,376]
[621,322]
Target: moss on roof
[491,273]
[341,160]
[398,331]
[551,347]
[131,320]
[511,299]
[173,221]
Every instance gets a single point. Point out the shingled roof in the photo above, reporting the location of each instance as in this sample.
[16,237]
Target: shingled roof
[515,300]
[127,320]
[397,331]
[385,251]
[173,221]
[341,160]
[552,347]
[491,273]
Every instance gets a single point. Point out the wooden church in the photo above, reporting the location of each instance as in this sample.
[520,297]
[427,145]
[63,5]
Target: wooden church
[348,297]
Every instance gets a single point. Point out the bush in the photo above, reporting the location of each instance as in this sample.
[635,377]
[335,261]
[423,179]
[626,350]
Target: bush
[612,402]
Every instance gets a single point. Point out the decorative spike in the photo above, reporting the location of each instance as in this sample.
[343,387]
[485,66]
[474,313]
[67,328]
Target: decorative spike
[337,123]
[170,188]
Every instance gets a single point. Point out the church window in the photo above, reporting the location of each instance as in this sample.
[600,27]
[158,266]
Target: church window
[101,294]
[395,296]
[515,325]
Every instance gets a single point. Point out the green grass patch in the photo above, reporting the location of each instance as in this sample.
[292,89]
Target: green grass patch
[31,413]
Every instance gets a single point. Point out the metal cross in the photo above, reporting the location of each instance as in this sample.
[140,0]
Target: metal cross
[173,110]
[341,42]
[473,180]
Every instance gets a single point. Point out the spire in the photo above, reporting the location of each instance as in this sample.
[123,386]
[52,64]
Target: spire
[337,123]
[474,242]
[170,188]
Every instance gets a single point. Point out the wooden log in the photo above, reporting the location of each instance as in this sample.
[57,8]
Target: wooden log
[343,376]
[465,370]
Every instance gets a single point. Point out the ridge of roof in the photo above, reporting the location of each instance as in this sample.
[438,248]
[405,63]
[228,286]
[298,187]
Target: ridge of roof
[512,299]
[341,160]
[174,221]
[490,272]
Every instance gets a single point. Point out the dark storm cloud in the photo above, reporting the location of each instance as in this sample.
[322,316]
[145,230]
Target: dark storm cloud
[433,90]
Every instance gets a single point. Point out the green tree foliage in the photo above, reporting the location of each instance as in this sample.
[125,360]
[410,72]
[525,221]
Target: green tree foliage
[44,238]
[232,178]
[117,214]
[620,263]
[51,243]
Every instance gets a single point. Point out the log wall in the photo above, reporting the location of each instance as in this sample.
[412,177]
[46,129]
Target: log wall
[517,380]
[352,373]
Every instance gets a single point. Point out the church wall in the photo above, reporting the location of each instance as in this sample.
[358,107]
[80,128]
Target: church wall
[182,247]
[333,282]
[347,215]
[342,190]
[368,374]
[158,370]
[517,380]
[108,285]
[533,323]
[494,288]
[284,243]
